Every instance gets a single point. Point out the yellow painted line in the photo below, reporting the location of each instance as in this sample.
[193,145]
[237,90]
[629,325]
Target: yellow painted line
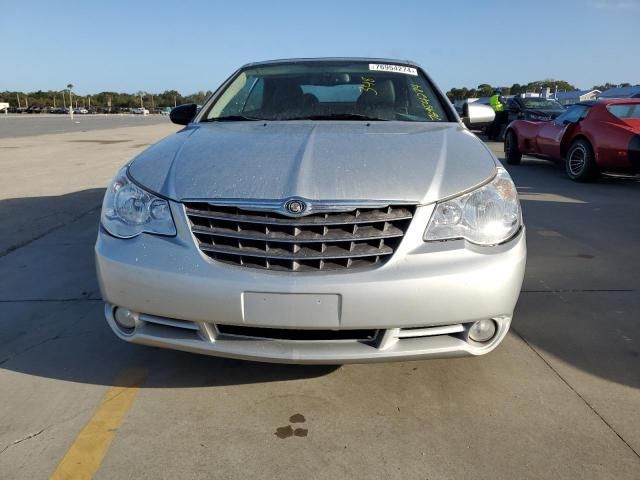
[85,455]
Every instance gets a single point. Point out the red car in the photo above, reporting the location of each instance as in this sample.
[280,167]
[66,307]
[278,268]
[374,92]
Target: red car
[590,137]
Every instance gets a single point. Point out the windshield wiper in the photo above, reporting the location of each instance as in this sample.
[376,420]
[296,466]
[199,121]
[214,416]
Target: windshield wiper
[338,116]
[232,118]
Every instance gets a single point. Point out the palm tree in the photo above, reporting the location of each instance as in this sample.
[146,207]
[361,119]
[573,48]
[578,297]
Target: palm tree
[141,94]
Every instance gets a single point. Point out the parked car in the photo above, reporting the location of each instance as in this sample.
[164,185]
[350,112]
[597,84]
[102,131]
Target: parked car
[315,211]
[80,110]
[140,111]
[165,111]
[537,109]
[533,108]
[590,137]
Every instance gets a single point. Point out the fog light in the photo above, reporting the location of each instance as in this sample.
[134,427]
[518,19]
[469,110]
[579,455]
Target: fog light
[482,331]
[125,318]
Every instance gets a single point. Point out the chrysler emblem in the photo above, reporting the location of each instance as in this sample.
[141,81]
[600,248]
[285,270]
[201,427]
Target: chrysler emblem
[295,207]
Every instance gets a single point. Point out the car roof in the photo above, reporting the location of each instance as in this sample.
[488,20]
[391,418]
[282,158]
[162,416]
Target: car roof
[331,59]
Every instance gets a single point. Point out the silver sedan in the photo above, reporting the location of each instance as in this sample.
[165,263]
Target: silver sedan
[315,211]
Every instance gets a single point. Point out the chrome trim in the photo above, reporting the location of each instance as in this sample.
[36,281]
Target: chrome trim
[311,206]
[429,331]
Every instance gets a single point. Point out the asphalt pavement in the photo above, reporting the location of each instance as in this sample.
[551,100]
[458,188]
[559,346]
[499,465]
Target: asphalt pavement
[560,398]
[26,125]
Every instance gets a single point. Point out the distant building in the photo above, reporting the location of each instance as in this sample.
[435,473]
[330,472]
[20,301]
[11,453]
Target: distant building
[622,92]
[570,98]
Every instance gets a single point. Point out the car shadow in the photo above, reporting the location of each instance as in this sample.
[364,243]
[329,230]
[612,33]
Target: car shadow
[579,300]
[79,347]
[51,314]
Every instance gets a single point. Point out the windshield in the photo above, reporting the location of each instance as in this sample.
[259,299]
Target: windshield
[542,104]
[329,91]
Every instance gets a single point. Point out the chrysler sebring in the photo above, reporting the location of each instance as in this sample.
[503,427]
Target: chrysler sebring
[315,211]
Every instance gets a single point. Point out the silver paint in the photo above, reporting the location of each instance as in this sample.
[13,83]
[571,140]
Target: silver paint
[317,160]
[181,294]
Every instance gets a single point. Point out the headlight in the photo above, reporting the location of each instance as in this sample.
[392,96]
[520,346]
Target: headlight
[487,216]
[128,210]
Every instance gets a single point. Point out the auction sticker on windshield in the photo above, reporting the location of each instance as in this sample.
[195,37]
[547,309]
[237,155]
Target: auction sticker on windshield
[381,67]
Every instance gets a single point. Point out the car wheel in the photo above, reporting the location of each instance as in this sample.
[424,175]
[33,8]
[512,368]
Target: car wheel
[511,150]
[580,163]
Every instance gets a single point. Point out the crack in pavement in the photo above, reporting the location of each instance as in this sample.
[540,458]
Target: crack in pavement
[72,417]
[575,392]
[23,439]
[30,347]
[39,344]
[62,335]
[24,243]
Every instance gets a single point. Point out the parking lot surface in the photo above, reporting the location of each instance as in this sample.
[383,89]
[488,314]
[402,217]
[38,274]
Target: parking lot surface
[560,398]
[26,125]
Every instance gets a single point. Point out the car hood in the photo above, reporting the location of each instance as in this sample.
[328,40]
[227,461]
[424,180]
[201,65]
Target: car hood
[395,161]
[552,114]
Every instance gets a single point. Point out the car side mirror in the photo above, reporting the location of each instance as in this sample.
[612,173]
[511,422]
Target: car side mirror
[474,114]
[183,114]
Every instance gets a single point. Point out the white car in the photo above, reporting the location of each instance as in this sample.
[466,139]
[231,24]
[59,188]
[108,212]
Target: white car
[140,111]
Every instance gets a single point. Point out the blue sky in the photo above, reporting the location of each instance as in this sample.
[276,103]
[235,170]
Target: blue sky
[194,45]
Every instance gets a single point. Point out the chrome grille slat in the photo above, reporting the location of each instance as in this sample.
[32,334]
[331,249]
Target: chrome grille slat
[303,237]
[300,254]
[360,237]
[315,219]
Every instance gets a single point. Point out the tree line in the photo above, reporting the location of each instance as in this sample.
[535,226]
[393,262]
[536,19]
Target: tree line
[486,90]
[115,100]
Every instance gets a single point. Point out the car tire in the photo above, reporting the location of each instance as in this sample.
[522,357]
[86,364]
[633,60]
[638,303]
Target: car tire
[580,163]
[511,150]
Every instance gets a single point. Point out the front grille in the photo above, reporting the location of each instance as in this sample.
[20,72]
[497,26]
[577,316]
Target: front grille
[362,237]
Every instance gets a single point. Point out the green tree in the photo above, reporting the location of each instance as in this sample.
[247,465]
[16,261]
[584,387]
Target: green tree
[550,83]
[485,90]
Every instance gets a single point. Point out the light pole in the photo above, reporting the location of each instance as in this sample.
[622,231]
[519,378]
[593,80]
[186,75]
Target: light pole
[70,86]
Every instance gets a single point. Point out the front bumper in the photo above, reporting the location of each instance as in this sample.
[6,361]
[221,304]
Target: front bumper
[182,295]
